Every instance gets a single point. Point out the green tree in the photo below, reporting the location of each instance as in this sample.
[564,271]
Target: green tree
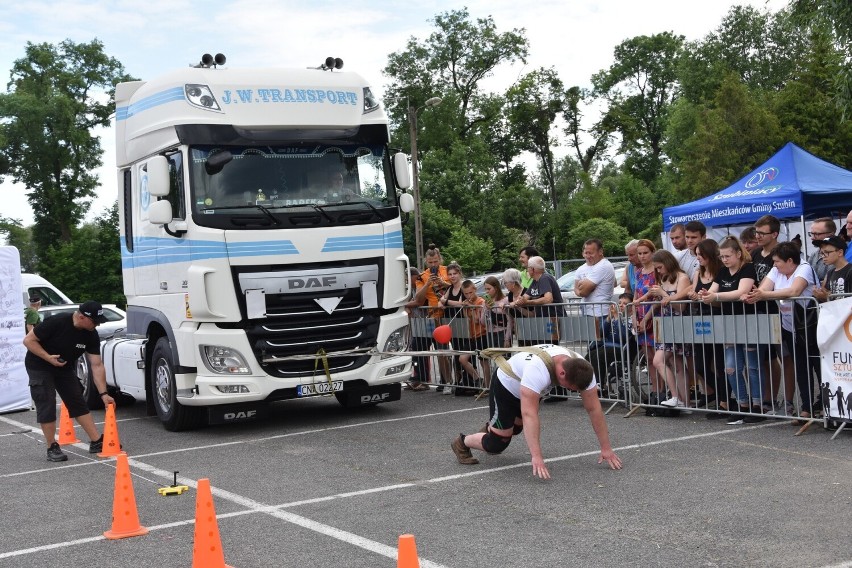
[730,139]
[806,108]
[451,63]
[601,132]
[21,238]
[88,267]
[838,15]
[639,87]
[614,236]
[56,96]
[759,47]
[472,253]
[532,107]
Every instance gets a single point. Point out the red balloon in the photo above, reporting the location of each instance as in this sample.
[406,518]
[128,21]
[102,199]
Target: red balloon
[443,334]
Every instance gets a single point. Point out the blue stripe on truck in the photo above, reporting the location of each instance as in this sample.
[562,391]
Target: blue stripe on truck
[157,99]
[150,251]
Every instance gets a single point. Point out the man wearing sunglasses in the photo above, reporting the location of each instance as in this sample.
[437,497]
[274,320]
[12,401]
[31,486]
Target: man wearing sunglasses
[821,228]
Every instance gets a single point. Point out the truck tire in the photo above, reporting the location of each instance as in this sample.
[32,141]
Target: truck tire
[172,414]
[84,374]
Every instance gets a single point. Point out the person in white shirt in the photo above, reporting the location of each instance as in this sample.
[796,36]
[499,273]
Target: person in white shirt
[595,280]
[677,236]
[694,233]
[514,406]
[791,278]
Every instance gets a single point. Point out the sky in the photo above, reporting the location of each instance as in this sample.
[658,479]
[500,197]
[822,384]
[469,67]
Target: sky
[576,37]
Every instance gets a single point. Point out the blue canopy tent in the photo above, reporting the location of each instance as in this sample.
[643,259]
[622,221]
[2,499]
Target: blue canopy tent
[792,184]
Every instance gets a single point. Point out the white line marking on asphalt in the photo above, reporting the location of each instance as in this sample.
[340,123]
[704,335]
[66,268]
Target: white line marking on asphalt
[253,507]
[85,447]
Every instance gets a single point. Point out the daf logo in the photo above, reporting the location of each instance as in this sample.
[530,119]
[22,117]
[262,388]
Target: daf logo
[366,399]
[307,283]
[240,415]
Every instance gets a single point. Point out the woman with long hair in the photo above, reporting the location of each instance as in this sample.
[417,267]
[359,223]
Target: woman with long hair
[452,301]
[497,302]
[669,359]
[708,358]
[734,280]
[642,316]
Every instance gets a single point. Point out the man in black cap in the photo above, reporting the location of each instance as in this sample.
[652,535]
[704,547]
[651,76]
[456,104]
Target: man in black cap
[52,349]
[838,279]
[31,313]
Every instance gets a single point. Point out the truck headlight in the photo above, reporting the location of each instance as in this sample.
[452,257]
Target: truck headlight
[397,341]
[201,96]
[224,360]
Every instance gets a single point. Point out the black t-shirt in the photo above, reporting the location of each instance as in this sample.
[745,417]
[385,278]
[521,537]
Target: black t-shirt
[730,282]
[58,336]
[700,308]
[762,266]
[538,288]
[450,311]
[840,281]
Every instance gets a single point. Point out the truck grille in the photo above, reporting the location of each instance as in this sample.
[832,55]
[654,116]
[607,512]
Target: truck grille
[296,325]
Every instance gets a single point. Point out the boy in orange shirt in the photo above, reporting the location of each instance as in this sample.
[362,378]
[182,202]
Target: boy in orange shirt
[476,314]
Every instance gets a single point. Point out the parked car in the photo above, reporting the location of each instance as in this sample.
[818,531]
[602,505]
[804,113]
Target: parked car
[479,281]
[34,286]
[566,283]
[116,317]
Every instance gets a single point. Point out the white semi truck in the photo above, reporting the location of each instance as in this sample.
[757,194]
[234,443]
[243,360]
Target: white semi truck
[261,242]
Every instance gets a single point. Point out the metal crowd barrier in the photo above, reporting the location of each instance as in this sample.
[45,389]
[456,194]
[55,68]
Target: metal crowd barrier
[571,325]
[748,366]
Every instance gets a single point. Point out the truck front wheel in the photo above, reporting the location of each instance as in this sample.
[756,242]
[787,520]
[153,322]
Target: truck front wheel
[84,374]
[172,414]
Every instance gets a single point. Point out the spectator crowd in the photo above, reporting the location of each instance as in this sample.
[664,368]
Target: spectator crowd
[739,377]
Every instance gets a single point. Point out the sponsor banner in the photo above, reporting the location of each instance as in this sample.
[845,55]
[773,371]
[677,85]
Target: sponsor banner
[14,389]
[834,336]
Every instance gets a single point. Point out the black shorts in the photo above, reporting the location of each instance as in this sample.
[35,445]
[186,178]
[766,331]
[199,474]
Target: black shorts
[44,385]
[504,408]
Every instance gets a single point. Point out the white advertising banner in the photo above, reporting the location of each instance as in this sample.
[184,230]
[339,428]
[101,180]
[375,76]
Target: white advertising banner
[14,392]
[834,336]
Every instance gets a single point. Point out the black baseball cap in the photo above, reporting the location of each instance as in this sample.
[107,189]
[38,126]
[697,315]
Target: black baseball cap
[833,240]
[93,310]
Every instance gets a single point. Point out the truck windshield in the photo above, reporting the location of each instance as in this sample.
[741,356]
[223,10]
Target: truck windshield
[249,187]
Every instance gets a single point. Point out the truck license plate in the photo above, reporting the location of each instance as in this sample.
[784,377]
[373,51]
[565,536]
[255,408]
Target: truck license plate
[319,388]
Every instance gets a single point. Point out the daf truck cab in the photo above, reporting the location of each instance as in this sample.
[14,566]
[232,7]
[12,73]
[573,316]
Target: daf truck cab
[261,242]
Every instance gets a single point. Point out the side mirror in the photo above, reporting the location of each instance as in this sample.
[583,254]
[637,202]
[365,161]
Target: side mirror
[160,212]
[215,162]
[406,203]
[157,170]
[401,171]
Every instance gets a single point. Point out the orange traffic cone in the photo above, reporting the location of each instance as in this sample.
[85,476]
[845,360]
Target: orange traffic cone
[67,436]
[407,557]
[125,519]
[112,446]
[207,546]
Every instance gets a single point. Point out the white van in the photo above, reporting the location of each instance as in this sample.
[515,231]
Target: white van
[34,286]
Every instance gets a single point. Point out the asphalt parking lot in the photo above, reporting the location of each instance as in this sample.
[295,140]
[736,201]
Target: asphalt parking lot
[315,485]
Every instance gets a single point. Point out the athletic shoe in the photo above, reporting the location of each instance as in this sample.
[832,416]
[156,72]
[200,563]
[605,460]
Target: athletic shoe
[463,452]
[97,446]
[55,453]
[755,416]
[702,400]
[672,402]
